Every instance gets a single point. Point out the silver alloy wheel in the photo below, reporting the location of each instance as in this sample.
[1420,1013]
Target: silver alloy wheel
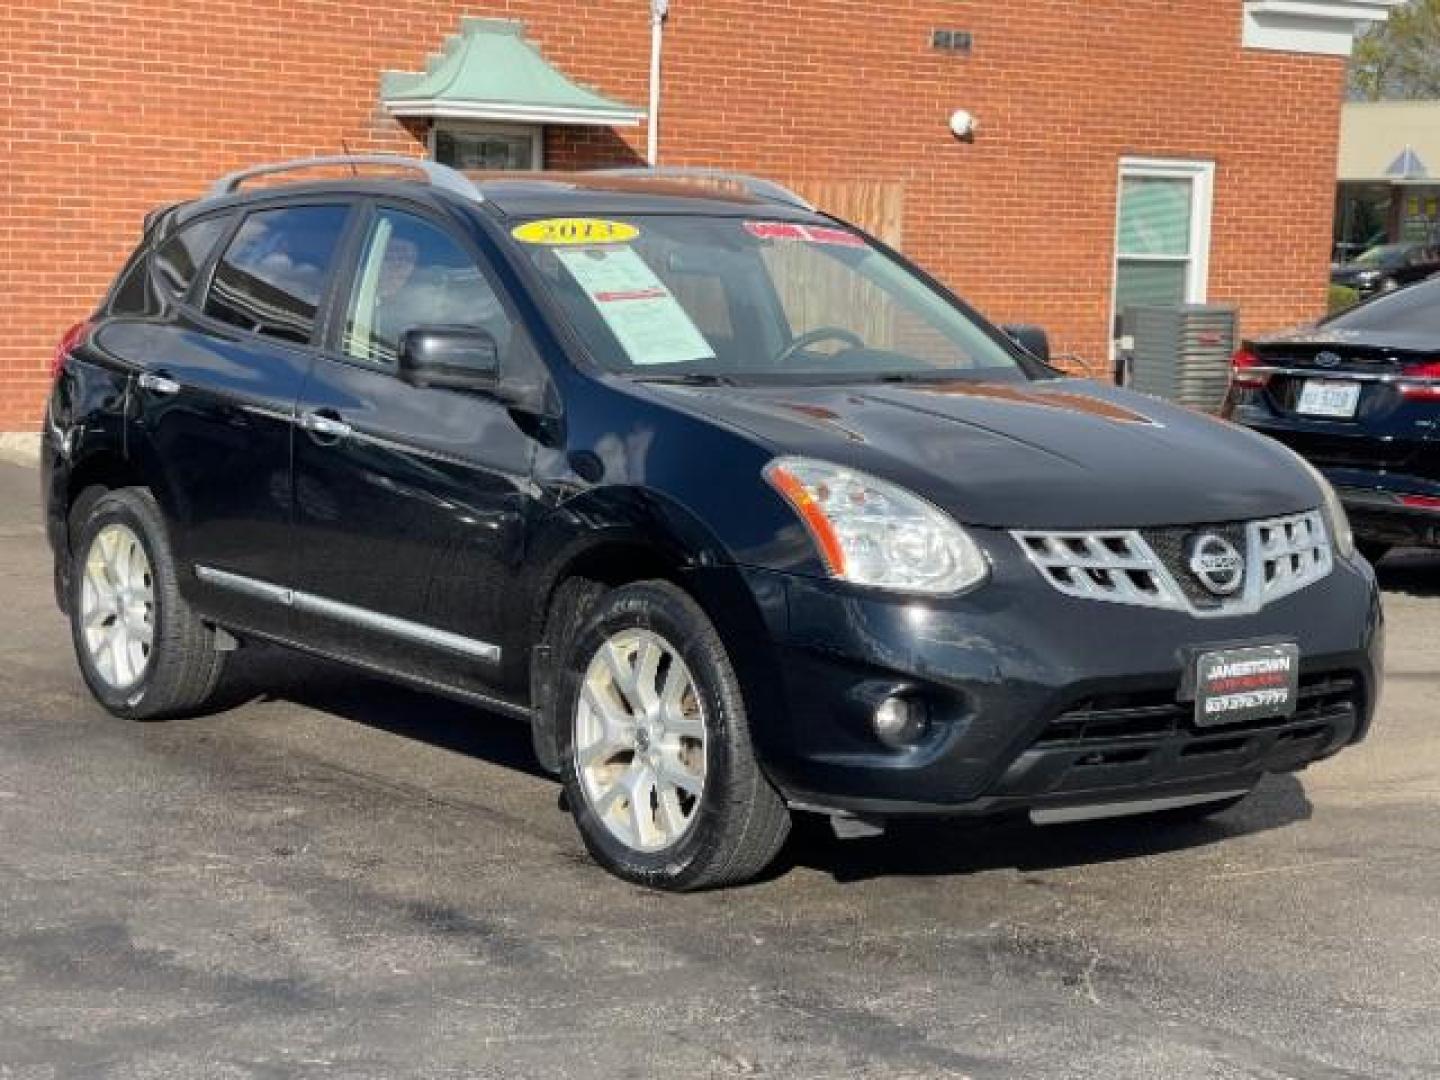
[640,740]
[117,606]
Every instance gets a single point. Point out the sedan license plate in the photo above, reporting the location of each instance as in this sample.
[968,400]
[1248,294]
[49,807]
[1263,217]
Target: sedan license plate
[1235,685]
[1327,397]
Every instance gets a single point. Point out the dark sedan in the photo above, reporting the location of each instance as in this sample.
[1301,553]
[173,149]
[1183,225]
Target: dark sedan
[1359,396]
[1387,267]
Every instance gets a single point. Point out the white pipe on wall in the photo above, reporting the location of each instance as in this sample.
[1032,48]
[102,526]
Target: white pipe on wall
[658,10]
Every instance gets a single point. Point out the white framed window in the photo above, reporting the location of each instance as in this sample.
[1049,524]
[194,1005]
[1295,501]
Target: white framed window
[490,146]
[1162,233]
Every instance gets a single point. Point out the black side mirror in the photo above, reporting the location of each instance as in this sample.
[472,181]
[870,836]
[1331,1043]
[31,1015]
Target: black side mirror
[1032,339]
[450,358]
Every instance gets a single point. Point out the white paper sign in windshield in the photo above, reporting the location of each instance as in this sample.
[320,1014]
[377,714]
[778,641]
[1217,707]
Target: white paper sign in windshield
[650,323]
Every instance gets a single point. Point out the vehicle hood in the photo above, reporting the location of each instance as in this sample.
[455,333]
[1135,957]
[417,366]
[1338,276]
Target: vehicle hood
[1059,453]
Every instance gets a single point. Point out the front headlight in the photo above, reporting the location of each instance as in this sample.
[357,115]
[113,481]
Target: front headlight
[1338,521]
[872,532]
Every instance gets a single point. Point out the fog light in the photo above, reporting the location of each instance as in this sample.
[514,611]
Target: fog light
[901,722]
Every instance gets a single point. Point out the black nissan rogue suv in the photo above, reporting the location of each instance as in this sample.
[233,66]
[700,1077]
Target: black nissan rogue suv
[743,512]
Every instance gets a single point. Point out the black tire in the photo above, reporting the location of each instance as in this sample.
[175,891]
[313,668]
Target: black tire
[740,822]
[571,601]
[1373,550]
[183,665]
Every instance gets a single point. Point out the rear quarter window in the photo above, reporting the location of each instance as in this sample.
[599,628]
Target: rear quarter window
[178,259]
[131,294]
[272,276]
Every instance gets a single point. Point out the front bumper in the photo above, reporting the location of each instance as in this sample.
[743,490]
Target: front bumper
[1041,700]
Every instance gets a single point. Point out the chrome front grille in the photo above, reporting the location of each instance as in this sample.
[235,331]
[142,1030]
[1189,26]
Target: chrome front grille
[1148,567]
[1292,552]
[1116,566]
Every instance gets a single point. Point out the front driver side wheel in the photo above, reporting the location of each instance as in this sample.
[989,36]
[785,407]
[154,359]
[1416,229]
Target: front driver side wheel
[655,747]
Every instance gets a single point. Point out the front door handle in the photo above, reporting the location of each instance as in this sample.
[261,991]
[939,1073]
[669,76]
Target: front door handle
[158,383]
[326,428]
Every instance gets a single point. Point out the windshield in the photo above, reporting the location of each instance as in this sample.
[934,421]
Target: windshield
[1415,310]
[662,296]
[1382,255]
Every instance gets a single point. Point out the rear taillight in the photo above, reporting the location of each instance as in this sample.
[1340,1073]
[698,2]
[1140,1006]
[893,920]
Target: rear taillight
[1426,386]
[68,341]
[1244,373]
[1420,502]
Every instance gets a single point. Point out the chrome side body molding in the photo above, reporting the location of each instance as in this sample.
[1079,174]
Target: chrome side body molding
[348,613]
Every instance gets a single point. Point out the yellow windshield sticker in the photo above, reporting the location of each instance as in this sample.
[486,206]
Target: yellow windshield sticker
[562,231]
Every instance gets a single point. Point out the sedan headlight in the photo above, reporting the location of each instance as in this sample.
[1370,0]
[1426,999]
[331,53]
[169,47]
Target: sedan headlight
[1342,538]
[872,532]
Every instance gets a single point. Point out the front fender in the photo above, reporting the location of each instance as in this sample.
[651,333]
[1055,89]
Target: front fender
[629,533]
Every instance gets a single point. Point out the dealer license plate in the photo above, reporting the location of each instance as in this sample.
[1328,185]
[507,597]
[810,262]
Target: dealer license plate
[1252,683]
[1327,397]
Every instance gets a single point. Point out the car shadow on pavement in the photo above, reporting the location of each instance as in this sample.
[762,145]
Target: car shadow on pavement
[913,848]
[1413,571]
[269,673]
[935,848]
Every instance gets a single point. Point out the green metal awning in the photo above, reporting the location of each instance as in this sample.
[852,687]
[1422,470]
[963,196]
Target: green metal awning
[489,71]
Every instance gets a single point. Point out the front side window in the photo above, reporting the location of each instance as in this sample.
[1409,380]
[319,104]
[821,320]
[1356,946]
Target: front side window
[758,300]
[1384,255]
[179,258]
[413,274]
[271,278]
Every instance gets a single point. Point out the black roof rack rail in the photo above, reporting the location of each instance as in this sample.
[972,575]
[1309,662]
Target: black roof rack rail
[757,186]
[440,176]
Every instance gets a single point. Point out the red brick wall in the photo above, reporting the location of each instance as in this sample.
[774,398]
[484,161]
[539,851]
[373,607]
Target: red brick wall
[112,108]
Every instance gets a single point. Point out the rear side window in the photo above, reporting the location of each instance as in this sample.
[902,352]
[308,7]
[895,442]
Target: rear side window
[272,276]
[178,259]
[1415,310]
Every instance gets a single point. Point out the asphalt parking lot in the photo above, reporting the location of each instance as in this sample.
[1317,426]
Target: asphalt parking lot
[335,878]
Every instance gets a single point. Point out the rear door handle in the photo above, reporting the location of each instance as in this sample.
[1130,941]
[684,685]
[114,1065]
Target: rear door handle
[158,383]
[328,428]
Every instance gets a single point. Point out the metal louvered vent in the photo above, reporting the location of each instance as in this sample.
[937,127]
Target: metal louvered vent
[1292,552]
[1116,566]
[1150,568]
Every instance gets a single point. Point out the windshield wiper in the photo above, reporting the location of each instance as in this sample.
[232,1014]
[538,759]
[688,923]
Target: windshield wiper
[916,377]
[687,378]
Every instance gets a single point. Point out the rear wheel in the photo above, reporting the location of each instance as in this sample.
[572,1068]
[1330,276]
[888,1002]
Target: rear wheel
[143,653]
[655,752]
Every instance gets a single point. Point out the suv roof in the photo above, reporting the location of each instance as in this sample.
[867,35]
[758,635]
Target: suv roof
[629,190]
[522,194]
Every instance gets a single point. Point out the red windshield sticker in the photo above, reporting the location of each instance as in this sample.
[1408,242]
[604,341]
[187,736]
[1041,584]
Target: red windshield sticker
[811,234]
[823,235]
[775,230]
[632,294]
